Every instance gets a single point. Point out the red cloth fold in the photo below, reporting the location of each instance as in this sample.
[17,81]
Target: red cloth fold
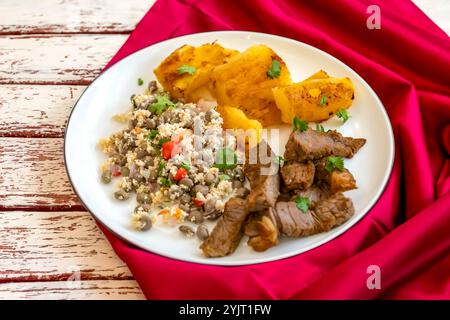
[407,233]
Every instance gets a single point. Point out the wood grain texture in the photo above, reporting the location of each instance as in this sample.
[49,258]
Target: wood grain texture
[49,50]
[45,59]
[84,16]
[51,246]
[94,290]
[36,111]
[32,175]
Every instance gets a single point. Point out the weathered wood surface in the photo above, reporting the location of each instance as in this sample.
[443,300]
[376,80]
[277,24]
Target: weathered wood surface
[82,16]
[36,111]
[49,51]
[49,59]
[32,175]
[52,246]
[93,290]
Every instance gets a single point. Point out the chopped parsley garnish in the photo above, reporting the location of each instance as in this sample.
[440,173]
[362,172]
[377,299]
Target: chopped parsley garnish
[165,182]
[140,82]
[302,204]
[187,69]
[161,104]
[333,162]
[342,114]
[299,124]
[323,100]
[186,166]
[274,70]
[162,141]
[223,177]
[160,169]
[320,127]
[279,160]
[152,134]
[226,159]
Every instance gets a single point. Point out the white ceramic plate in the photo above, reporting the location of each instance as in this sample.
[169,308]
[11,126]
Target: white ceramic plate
[110,94]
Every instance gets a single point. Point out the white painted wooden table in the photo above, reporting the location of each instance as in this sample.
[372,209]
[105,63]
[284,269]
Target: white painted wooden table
[49,51]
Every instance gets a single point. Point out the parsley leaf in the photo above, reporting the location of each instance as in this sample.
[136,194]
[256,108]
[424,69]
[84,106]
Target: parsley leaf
[226,159]
[161,104]
[162,141]
[302,204]
[186,166]
[323,100]
[299,124]
[279,160]
[165,182]
[320,128]
[187,69]
[274,70]
[223,177]
[140,82]
[160,167]
[333,162]
[152,134]
[342,113]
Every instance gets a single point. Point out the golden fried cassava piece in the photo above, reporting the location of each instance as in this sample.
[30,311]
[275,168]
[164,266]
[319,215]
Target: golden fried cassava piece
[321,74]
[246,82]
[315,99]
[234,118]
[185,72]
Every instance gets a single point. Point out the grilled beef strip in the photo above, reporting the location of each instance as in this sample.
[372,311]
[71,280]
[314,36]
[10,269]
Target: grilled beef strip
[329,208]
[333,212]
[264,179]
[286,219]
[322,216]
[298,175]
[262,230]
[314,145]
[264,234]
[264,194]
[228,231]
[339,181]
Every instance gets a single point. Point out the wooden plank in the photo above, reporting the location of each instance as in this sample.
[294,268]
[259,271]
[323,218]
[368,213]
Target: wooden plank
[85,16]
[92,290]
[32,175]
[50,246]
[36,111]
[44,59]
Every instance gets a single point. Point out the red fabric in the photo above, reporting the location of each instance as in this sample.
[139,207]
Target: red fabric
[407,233]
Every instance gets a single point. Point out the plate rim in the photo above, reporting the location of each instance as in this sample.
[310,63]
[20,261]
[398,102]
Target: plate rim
[217,261]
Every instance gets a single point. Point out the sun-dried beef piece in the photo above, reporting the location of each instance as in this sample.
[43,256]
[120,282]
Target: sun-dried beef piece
[263,177]
[228,231]
[298,175]
[314,145]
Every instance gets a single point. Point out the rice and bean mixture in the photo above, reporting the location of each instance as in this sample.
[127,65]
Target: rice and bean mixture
[176,158]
